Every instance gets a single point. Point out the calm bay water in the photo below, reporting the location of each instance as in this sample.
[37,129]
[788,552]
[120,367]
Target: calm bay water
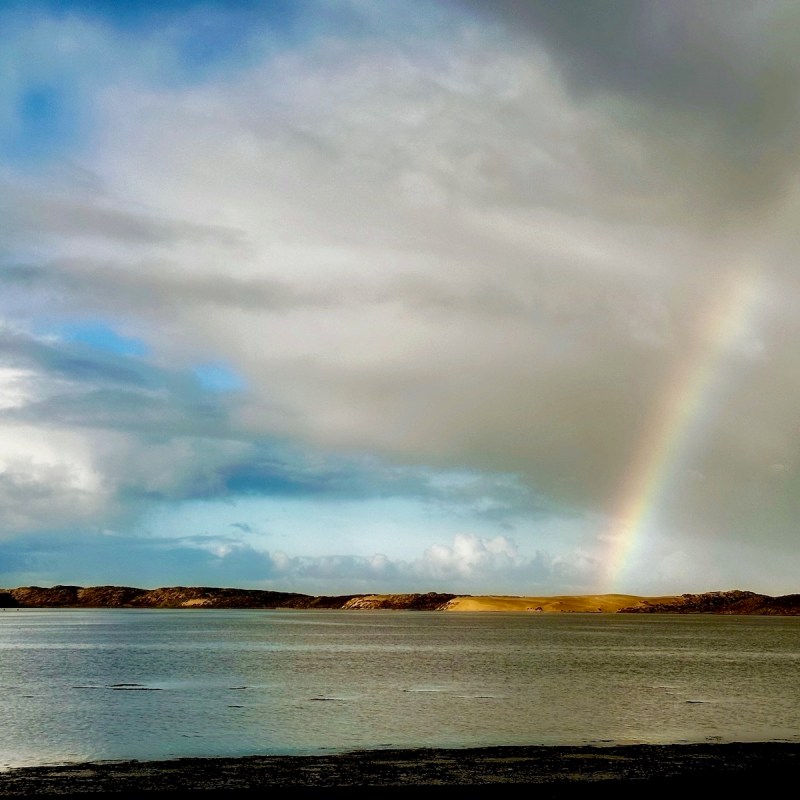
[152,684]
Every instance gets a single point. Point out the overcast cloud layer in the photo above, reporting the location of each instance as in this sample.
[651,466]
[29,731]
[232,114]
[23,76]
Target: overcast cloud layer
[469,297]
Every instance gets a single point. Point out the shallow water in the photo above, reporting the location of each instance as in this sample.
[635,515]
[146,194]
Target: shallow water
[81,685]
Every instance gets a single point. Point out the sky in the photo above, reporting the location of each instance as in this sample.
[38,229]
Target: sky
[334,296]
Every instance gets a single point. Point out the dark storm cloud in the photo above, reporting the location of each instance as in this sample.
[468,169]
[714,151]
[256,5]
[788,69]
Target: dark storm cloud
[710,87]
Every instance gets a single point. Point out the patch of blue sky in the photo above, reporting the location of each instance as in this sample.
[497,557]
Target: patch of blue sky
[203,37]
[218,377]
[45,122]
[99,336]
[246,479]
[44,79]
[398,527]
[227,39]
[150,14]
[64,52]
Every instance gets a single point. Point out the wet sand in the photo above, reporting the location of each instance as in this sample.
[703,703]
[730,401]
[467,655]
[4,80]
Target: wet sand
[542,772]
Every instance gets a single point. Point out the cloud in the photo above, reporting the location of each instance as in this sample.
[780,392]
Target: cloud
[543,246]
[488,566]
[705,88]
[45,478]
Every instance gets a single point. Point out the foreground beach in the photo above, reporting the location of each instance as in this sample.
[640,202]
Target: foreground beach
[552,772]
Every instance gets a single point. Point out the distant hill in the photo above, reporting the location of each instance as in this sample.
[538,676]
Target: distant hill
[733,602]
[729,602]
[203,597]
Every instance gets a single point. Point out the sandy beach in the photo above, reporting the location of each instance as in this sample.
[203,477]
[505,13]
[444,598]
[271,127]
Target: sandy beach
[551,772]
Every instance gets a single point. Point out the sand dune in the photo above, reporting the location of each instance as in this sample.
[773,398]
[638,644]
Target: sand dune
[608,603]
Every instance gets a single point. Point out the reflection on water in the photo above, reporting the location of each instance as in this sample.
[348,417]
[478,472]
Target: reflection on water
[113,684]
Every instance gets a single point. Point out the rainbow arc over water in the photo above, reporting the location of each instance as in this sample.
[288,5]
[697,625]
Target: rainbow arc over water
[690,396]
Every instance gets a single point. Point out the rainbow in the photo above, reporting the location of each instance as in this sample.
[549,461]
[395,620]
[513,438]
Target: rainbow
[690,396]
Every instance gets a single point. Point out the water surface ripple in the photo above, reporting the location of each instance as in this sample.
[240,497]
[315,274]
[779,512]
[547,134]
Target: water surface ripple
[79,685]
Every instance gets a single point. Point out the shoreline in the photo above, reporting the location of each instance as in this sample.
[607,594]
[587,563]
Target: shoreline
[555,771]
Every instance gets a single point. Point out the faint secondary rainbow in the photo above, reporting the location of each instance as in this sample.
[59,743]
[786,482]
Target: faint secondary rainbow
[688,398]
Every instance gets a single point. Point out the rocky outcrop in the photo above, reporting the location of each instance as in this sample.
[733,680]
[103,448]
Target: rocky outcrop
[212,597]
[432,601]
[731,602]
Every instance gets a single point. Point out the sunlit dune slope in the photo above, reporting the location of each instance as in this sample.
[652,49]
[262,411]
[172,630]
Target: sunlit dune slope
[578,603]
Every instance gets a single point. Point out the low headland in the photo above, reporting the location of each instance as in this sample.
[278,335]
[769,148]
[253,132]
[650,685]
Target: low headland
[734,601]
